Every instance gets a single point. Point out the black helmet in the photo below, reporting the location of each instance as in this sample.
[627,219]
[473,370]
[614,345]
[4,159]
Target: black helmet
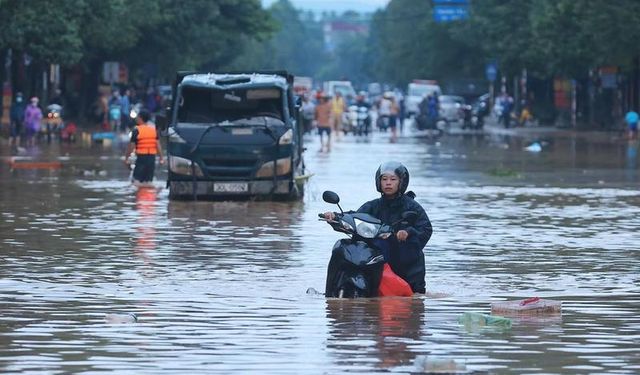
[396,168]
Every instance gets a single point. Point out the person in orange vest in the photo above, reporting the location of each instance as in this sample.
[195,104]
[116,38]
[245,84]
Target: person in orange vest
[145,141]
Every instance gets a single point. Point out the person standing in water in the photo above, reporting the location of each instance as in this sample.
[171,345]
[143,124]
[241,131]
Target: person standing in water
[145,141]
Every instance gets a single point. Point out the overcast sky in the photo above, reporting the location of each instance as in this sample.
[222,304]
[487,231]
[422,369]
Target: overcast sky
[337,5]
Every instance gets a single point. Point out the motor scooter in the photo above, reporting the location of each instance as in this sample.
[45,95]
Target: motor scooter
[358,116]
[53,123]
[466,113]
[383,122]
[479,111]
[356,264]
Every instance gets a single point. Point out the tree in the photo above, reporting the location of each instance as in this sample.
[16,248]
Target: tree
[57,40]
[204,34]
[295,46]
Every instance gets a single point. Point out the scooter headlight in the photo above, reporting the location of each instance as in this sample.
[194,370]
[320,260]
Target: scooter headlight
[346,225]
[366,230]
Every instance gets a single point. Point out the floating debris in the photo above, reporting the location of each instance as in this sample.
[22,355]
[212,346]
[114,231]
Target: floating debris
[19,163]
[472,320]
[314,292]
[534,147]
[103,135]
[121,318]
[438,365]
[529,306]
[503,172]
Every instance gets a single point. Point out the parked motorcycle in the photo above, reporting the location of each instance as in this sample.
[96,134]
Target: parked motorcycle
[356,264]
[383,122]
[479,111]
[467,116]
[53,123]
[135,111]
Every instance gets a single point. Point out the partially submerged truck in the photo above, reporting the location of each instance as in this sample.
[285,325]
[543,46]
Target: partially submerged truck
[234,135]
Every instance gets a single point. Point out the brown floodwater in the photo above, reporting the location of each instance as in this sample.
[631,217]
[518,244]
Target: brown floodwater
[221,287]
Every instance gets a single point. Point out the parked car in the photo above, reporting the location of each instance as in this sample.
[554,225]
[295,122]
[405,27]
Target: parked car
[451,108]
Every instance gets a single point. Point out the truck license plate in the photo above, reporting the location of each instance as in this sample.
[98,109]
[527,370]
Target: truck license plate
[230,187]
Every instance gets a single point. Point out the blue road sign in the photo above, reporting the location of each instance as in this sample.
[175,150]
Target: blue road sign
[446,13]
[491,72]
[450,2]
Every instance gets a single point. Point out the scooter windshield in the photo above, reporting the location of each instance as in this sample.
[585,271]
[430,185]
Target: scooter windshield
[366,217]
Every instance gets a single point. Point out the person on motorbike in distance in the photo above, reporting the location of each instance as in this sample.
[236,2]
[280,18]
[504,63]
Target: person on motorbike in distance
[403,251]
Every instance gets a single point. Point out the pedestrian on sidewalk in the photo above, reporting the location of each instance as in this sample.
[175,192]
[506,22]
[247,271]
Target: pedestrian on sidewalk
[338,107]
[525,116]
[308,113]
[145,141]
[125,108]
[32,120]
[393,119]
[631,118]
[323,117]
[115,111]
[16,117]
[507,108]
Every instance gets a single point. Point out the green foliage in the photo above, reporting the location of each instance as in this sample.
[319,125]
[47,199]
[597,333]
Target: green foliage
[547,37]
[411,45]
[296,45]
[45,32]
[204,35]
[174,34]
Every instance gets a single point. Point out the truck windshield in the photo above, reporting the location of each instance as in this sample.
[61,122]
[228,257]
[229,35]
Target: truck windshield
[421,90]
[206,105]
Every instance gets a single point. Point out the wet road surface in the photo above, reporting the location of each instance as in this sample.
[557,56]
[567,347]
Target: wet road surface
[221,287]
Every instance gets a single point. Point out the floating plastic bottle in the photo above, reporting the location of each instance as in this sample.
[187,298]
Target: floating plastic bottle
[438,365]
[121,318]
[529,306]
[472,320]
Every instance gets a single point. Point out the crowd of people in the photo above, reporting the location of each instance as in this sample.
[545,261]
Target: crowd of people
[335,115]
[118,111]
[113,110]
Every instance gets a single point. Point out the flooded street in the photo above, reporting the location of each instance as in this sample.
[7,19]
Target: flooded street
[220,287]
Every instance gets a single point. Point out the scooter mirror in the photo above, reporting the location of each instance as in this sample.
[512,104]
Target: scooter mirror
[410,216]
[330,197]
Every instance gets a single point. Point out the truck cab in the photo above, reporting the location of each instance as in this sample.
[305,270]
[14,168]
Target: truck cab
[417,91]
[234,135]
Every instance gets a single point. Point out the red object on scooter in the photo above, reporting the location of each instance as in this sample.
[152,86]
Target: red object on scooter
[392,284]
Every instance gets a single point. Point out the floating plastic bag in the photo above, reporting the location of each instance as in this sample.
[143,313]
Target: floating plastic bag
[392,284]
[472,320]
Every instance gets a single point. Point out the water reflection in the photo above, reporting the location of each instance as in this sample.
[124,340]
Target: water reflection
[146,203]
[244,237]
[219,286]
[632,155]
[382,328]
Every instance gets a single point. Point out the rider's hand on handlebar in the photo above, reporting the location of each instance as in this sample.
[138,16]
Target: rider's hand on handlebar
[402,235]
[329,215]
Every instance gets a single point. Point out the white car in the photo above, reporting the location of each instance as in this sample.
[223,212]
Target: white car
[451,108]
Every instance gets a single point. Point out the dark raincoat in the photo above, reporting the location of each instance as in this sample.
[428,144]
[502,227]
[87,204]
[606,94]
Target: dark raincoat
[405,258]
